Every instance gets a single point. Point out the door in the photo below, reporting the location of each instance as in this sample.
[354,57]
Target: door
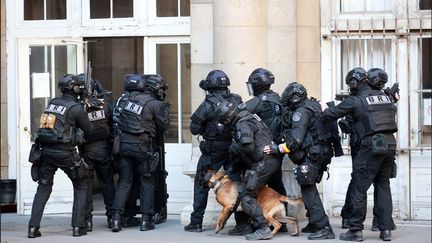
[40,65]
[170,57]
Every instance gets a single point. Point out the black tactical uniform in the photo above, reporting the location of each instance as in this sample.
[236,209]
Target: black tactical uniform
[141,114]
[373,113]
[59,133]
[308,144]
[214,147]
[250,135]
[266,104]
[96,151]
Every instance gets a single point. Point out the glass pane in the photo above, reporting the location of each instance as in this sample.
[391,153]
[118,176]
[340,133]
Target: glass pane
[426,95]
[112,58]
[425,4]
[166,66]
[351,58]
[379,56]
[65,61]
[352,5]
[166,8]
[381,5]
[40,67]
[56,9]
[185,59]
[33,9]
[122,8]
[184,7]
[100,9]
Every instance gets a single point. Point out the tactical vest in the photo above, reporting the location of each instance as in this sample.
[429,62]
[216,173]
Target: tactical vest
[319,132]
[131,118]
[99,119]
[211,130]
[53,126]
[272,117]
[378,116]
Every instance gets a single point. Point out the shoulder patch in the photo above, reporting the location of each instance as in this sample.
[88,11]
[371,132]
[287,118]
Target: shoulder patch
[296,116]
[242,105]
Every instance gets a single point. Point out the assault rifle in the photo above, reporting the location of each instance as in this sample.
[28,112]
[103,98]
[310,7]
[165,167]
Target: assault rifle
[90,100]
[393,92]
[340,95]
[335,138]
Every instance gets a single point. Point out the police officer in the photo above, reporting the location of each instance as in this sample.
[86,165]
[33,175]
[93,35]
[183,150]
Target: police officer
[250,135]
[96,151]
[214,147]
[308,145]
[141,112]
[373,115]
[266,104]
[59,133]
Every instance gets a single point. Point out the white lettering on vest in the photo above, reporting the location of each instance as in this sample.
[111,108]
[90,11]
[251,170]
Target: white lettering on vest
[378,99]
[96,115]
[134,108]
[59,109]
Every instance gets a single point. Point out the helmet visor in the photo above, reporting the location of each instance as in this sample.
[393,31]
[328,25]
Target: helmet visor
[250,88]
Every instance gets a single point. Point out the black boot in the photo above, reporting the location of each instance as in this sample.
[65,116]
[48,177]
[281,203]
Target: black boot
[324,233]
[241,229]
[193,227]
[260,234]
[352,235]
[130,222]
[89,225]
[147,225]
[116,222]
[109,221]
[33,232]
[345,223]
[79,231]
[375,227]
[385,235]
[309,229]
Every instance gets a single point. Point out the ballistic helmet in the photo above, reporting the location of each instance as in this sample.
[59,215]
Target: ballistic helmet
[156,84]
[216,79]
[226,112]
[134,82]
[293,94]
[259,80]
[354,78]
[70,82]
[377,78]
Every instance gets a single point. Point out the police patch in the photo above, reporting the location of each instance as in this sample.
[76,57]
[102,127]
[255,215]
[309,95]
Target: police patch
[96,115]
[134,108]
[59,109]
[242,105]
[297,116]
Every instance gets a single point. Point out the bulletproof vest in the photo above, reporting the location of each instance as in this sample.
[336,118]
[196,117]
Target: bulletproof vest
[132,117]
[211,128]
[99,119]
[378,116]
[53,126]
[269,107]
[319,132]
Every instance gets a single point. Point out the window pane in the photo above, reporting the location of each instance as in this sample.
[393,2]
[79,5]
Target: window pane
[65,61]
[40,62]
[122,8]
[33,9]
[166,8]
[184,7]
[186,100]
[56,9]
[352,5]
[425,4]
[100,9]
[381,5]
[166,66]
[426,96]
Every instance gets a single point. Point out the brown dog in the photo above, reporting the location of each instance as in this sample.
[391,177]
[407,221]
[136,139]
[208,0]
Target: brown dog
[268,199]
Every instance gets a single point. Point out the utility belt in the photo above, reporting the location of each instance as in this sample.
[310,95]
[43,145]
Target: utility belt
[381,143]
[96,145]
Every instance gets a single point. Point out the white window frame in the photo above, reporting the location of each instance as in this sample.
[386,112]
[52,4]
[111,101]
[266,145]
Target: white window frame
[364,12]
[71,6]
[139,14]
[180,23]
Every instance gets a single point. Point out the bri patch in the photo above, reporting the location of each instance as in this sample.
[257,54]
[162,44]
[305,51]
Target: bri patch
[58,109]
[96,115]
[378,99]
[134,108]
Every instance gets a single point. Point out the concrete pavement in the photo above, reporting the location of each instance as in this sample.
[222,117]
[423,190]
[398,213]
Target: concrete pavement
[56,229]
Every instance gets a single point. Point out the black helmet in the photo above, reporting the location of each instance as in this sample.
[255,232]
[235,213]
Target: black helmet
[293,94]
[377,78]
[226,112]
[259,79]
[156,84]
[134,82]
[70,82]
[216,79]
[354,78]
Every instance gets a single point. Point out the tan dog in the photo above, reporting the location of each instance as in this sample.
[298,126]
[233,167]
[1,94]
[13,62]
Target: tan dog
[269,200]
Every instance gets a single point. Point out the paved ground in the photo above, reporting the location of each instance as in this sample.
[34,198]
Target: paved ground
[56,229]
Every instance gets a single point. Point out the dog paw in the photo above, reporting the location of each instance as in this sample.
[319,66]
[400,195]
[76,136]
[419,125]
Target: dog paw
[294,234]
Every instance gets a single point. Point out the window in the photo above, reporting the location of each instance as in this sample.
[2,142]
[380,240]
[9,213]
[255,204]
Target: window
[44,9]
[425,4]
[111,9]
[425,91]
[365,5]
[170,8]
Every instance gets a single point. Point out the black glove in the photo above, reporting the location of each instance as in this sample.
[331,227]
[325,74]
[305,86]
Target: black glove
[94,103]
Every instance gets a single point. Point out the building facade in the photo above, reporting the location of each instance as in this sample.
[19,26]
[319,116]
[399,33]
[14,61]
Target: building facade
[311,41]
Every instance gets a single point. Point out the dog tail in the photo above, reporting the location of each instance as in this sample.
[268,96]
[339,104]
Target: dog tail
[296,201]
